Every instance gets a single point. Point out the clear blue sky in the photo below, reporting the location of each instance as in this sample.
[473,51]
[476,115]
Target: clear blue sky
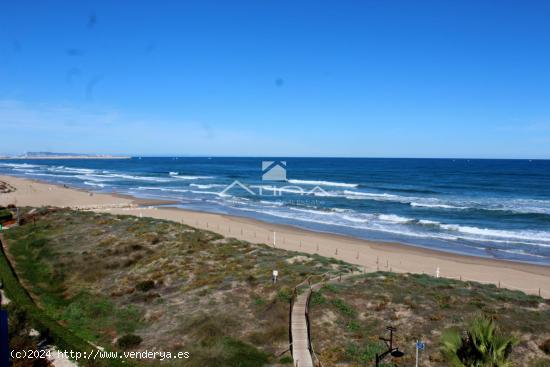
[266,78]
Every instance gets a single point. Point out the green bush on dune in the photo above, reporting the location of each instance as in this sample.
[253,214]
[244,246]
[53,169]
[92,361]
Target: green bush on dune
[481,345]
[5,215]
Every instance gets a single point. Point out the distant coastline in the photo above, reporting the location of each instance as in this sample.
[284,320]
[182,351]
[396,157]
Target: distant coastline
[51,155]
[68,157]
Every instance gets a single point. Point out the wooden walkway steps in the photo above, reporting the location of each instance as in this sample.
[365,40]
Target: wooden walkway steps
[302,350]
[299,330]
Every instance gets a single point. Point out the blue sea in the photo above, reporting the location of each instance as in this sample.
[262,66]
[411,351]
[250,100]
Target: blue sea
[490,208]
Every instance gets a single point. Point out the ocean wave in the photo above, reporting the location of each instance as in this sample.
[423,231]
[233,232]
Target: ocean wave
[206,186]
[357,223]
[91,177]
[442,206]
[188,177]
[94,184]
[518,206]
[322,183]
[137,178]
[19,165]
[394,218]
[47,174]
[277,190]
[211,193]
[523,235]
[522,252]
[165,189]
[405,226]
[70,169]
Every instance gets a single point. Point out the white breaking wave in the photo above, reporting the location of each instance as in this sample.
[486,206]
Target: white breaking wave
[94,184]
[206,186]
[394,218]
[90,177]
[70,169]
[443,206]
[138,178]
[166,189]
[19,165]
[211,193]
[47,175]
[322,183]
[521,206]
[188,177]
[192,177]
[502,234]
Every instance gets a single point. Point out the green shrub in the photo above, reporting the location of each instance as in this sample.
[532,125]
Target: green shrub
[286,360]
[344,308]
[284,294]
[145,285]
[129,341]
[5,215]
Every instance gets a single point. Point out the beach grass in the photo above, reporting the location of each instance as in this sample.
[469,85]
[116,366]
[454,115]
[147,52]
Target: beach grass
[128,283]
[347,317]
[105,277]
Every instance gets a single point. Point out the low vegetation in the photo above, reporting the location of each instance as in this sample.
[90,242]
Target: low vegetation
[116,280]
[130,284]
[348,317]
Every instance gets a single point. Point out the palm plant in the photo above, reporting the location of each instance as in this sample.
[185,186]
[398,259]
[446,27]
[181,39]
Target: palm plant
[482,345]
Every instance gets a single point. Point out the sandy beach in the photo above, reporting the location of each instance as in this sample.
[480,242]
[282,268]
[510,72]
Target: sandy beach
[370,255]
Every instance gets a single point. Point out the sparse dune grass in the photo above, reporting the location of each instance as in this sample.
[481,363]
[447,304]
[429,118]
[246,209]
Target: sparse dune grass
[348,316]
[175,287]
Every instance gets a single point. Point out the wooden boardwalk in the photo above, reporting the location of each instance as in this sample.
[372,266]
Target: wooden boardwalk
[301,349]
[299,330]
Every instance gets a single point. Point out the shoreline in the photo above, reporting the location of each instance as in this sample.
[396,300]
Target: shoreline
[371,255]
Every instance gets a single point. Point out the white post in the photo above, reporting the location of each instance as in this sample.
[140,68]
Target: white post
[437,272]
[274,238]
[416,347]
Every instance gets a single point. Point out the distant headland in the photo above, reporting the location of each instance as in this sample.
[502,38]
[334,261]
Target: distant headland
[51,155]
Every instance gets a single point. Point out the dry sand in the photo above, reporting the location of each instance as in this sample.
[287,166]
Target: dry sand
[368,254]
